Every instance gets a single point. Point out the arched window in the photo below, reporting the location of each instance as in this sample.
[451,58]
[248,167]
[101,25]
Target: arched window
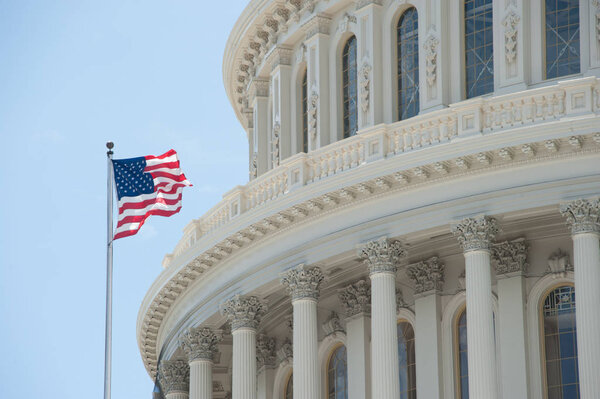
[462,355]
[337,374]
[560,343]
[562,37]
[479,49]
[349,88]
[304,113]
[406,360]
[407,34]
[289,388]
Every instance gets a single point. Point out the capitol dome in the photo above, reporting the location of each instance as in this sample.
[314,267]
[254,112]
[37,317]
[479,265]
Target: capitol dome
[422,205]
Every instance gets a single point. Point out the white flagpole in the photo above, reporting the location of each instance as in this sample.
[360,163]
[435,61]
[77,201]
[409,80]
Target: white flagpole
[109,267]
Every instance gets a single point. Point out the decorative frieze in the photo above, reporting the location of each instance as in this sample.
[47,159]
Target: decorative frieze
[431,50]
[244,312]
[476,234]
[583,215]
[303,282]
[265,351]
[428,275]
[510,256]
[200,343]
[174,376]
[382,255]
[510,23]
[356,298]
[332,325]
[559,263]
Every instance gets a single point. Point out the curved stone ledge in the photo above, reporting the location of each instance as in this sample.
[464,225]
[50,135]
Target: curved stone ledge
[383,178]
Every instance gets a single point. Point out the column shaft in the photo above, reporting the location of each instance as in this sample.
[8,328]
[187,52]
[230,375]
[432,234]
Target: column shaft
[480,325]
[384,343]
[244,363]
[177,395]
[359,358]
[201,379]
[307,384]
[587,283]
[428,346]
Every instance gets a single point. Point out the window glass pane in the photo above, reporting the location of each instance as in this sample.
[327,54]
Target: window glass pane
[560,342]
[337,375]
[562,38]
[463,368]
[304,114]
[349,89]
[479,58]
[408,64]
[406,361]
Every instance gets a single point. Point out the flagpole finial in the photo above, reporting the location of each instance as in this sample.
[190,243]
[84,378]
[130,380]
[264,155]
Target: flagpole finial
[110,146]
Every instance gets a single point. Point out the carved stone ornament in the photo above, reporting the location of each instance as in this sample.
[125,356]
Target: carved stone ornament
[462,281]
[583,215]
[275,143]
[382,256]
[317,24]
[301,53]
[217,386]
[356,298]
[596,3]
[428,275]
[265,351]
[510,23]
[476,234]
[303,282]
[400,303]
[345,22]
[285,352]
[510,256]
[174,376]
[431,46]
[254,166]
[364,82]
[332,325]
[200,343]
[244,312]
[559,263]
[313,103]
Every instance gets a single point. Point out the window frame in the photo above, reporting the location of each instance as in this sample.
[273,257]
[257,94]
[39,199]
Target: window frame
[396,60]
[405,320]
[347,134]
[463,61]
[542,25]
[332,351]
[456,345]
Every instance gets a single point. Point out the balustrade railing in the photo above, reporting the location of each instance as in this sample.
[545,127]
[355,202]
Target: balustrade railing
[472,117]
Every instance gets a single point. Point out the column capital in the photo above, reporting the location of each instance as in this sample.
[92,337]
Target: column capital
[317,24]
[356,298]
[510,256]
[428,275]
[265,351]
[476,233]
[583,215]
[382,255]
[303,281]
[244,312]
[200,343]
[174,376]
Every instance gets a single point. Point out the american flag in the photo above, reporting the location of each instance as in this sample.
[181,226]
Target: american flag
[150,185]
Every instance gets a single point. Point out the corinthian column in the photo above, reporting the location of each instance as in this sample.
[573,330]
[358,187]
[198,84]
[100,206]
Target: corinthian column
[244,314]
[200,346]
[583,216]
[302,284]
[475,235]
[174,379]
[382,258]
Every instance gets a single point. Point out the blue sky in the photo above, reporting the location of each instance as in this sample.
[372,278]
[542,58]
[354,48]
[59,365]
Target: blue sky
[73,75]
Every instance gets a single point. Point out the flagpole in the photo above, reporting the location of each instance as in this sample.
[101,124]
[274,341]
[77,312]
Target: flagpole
[109,267]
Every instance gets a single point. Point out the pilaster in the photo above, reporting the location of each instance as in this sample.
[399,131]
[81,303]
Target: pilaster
[266,358]
[510,261]
[475,235]
[583,217]
[356,300]
[174,378]
[258,94]
[317,48]
[200,345]
[511,45]
[369,64]
[281,82]
[428,276]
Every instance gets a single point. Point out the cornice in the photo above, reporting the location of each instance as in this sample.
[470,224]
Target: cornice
[173,282]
